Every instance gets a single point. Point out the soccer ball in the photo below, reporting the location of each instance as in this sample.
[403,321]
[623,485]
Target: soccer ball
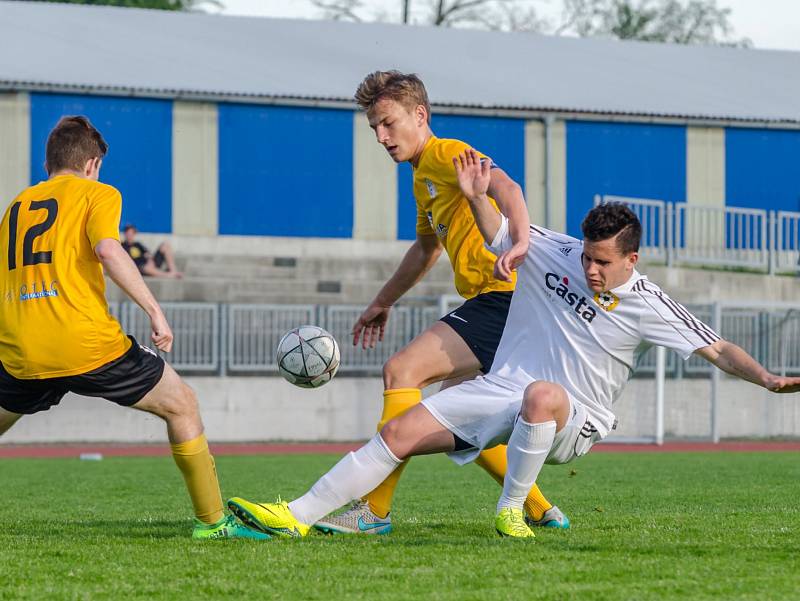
[308,356]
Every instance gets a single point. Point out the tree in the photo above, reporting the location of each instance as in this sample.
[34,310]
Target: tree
[676,21]
[510,15]
[158,4]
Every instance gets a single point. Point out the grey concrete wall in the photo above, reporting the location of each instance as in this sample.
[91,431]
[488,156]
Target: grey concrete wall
[269,409]
[195,168]
[234,409]
[745,410]
[15,145]
[375,185]
[705,166]
[535,171]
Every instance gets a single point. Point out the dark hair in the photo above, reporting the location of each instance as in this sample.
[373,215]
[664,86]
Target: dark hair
[404,88]
[73,141]
[613,219]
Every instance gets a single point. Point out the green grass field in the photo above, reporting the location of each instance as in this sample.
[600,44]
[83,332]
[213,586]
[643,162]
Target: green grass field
[645,526]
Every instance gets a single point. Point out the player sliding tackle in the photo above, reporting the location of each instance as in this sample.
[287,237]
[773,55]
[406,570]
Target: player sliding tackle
[580,318]
[462,343]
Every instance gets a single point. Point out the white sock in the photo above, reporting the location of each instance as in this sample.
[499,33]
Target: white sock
[527,449]
[355,475]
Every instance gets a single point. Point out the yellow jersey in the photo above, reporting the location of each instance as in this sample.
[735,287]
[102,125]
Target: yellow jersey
[54,318]
[444,211]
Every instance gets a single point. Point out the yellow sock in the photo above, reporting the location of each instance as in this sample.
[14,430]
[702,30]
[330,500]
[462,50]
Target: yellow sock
[494,461]
[197,466]
[395,402]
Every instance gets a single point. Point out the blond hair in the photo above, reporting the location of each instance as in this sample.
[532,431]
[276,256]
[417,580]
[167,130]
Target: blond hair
[406,89]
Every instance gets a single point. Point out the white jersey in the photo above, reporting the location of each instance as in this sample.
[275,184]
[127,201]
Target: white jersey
[559,330]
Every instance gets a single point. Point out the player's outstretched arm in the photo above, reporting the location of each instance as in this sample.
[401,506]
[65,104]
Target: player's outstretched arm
[122,270]
[417,261]
[734,360]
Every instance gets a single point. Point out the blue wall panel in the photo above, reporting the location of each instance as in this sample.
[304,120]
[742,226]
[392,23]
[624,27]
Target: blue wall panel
[625,159]
[139,159]
[762,169]
[285,171]
[500,138]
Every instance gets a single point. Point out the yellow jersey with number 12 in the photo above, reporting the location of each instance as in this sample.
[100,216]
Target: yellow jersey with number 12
[443,210]
[54,318]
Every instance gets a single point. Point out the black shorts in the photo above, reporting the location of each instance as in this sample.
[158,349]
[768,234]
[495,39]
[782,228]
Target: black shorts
[123,381]
[480,322]
[159,258]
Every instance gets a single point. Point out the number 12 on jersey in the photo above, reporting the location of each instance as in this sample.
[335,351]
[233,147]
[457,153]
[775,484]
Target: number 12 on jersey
[28,256]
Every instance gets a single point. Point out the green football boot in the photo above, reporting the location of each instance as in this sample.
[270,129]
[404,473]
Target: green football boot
[227,527]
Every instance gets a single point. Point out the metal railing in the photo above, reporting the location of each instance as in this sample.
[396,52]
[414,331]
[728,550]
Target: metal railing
[242,339]
[786,252]
[656,227]
[400,329]
[690,234]
[195,327]
[728,236]
[253,332]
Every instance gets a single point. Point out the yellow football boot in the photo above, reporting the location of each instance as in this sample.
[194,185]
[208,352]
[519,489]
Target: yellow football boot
[509,522]
[271,518]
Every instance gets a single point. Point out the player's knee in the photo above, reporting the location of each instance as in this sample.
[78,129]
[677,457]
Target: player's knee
[182,404]
[397,373]
[392,434]
[541,400]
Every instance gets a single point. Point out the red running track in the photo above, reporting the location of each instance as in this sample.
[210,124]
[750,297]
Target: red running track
[123,450]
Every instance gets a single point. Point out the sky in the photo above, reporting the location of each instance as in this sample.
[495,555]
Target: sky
[773,24]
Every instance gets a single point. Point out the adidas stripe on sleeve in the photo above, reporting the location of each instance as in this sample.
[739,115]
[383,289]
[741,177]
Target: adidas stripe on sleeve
[668,323]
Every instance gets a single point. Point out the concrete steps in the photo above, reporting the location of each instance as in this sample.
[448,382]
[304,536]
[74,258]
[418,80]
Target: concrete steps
[250,284]
[289,268]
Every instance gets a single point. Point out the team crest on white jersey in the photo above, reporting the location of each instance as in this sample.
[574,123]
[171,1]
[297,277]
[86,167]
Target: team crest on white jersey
[607,300]
[431,188]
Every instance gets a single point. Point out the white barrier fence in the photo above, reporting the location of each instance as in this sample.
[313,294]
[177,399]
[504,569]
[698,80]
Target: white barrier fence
[680,233]
[213,338]
[231,365]
[701,400]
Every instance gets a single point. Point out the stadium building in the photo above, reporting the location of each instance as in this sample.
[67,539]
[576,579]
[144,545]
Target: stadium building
[238,137]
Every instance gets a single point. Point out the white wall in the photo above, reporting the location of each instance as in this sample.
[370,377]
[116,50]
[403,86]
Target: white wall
[269,409]
[374,185]
[195,168]
[15,145]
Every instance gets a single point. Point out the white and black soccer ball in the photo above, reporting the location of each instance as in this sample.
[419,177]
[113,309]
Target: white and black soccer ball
[308,356]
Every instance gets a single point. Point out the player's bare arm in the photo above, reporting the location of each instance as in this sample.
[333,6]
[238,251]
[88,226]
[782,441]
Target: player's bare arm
[511,202]
[418,260]
[474,178]
[122,270]
[734,360]
[478,180]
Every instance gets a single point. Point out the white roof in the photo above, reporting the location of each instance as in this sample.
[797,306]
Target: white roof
[91,49]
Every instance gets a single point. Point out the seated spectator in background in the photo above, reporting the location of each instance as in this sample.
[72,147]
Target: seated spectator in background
[160,265]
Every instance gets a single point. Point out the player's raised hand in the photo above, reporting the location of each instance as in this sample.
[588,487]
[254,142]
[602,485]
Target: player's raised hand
[162,333]
[474,175]
[510,260]
[371,325]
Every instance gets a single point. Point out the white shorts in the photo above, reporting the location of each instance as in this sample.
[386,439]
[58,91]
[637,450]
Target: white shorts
[483,414]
